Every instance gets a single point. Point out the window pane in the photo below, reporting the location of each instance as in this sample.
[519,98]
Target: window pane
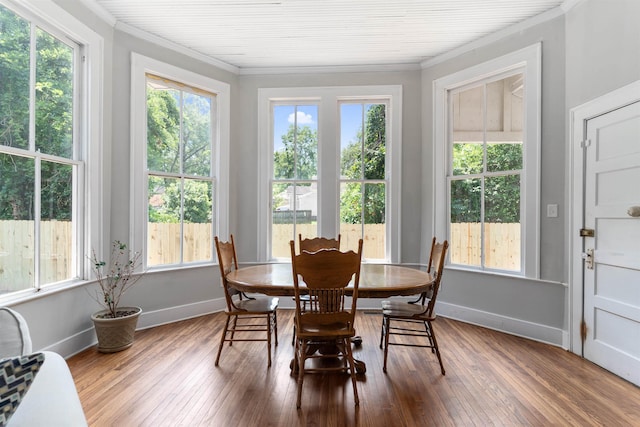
[56,237]
[14,80]
[351,122]
[467,158]
[374,220]
[163,128]
[297,213]
[502,222]
[467,118]
[197,220]
[197,134]
[351,221]
[504,156]
[163,234]
[283,153]
[305,139]
[375,141]
[17,227]
[54,96]
[505,117]
[465,239]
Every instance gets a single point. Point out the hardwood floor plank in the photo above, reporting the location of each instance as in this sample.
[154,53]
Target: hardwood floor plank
[168,378]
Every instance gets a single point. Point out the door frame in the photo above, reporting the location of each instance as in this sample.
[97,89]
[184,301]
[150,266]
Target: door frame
[578,118]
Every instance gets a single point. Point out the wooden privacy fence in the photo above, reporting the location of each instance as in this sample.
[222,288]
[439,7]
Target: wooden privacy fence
[372,247]
[502,246]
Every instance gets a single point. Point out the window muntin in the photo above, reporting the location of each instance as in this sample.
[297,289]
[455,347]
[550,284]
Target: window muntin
[40,173]
[294,185]
[363,183]
[485,174]
[180,180]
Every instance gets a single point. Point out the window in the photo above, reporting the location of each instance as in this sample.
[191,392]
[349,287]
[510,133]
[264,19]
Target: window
[487,135]
[363,182]
[47,120]
[331,160]
[180,148]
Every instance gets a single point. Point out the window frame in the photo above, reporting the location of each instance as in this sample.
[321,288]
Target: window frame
[528,61]
[328,100]
[88,207]
[140,67]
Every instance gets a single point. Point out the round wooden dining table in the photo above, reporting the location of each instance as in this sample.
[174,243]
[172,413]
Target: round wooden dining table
[376,281]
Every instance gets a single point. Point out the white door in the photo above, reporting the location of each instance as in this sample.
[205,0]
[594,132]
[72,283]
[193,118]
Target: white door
[612,271]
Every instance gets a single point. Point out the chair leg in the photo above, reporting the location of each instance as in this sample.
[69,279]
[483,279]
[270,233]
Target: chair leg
[269,339]
[293,338]
[386,342]
[352,369]
[435,346]
[233,329]
[222,337]
[301,359]
[382,330]
[275,325]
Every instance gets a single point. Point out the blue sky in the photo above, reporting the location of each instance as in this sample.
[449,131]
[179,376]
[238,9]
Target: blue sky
[350,121]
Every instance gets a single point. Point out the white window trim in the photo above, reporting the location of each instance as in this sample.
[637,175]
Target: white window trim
[529,59]
[91,210]
[327,99]
[140,66]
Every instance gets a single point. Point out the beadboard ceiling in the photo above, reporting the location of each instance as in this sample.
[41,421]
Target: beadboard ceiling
[272,34]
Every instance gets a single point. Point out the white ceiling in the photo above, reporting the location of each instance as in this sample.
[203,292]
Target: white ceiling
[261,34]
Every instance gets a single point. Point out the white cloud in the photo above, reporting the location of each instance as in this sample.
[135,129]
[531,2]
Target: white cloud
[303,118]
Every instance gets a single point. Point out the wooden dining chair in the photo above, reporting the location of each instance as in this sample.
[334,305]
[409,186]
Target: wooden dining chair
[327,322]
[241,312]
[312,245]
[413,320]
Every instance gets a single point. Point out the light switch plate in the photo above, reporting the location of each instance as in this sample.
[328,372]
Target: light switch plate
[552,211]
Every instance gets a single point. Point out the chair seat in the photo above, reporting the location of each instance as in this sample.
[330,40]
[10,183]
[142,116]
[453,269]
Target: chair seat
[401,308]
[258,305]
[330,331]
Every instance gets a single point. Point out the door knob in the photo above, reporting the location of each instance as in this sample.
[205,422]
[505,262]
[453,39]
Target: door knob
[634,211]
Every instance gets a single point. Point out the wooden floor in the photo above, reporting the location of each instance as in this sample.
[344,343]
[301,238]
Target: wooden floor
[168,378]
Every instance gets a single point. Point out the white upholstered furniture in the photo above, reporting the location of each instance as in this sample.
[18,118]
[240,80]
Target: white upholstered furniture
[52,399]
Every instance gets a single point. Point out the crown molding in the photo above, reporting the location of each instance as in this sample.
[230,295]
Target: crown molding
[498,35]
[102,13]
[175,47]
[371,68]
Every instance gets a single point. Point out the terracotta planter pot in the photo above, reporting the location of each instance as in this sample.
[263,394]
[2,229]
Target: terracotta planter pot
[116,334]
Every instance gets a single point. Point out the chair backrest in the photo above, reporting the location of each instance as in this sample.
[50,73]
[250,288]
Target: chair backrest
[227,261]
[15,339]
[438,258]
[317,243]
[326,274]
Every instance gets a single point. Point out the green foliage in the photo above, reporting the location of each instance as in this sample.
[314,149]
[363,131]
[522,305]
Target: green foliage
[501,192]
[163,155]
[299,157]
[53,120]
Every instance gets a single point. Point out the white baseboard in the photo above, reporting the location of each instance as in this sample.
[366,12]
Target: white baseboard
[510,325]
[148,319]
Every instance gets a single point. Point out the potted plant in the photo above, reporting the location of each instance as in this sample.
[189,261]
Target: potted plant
[115,326]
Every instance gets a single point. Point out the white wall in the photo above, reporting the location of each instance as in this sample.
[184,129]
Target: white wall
[533,308]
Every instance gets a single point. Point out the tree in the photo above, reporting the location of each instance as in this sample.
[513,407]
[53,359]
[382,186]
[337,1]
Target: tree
[163,155]
[501,192]
[299,157]
[53,121]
